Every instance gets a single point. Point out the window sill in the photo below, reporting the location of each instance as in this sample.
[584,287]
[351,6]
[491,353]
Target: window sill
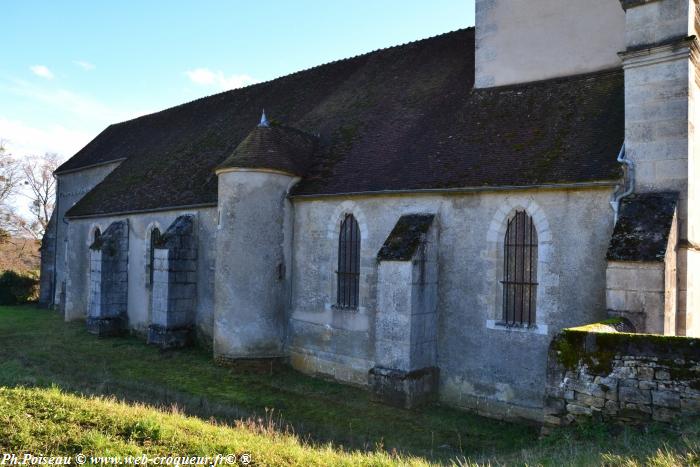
[542,329]
[345,308]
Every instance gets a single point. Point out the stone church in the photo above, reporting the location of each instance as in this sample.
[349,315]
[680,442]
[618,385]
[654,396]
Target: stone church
[421,220]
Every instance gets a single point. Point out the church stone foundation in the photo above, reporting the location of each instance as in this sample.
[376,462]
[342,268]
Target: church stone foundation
[406,389]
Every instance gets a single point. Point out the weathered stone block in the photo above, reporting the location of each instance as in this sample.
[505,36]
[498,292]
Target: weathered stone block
[666,399]
[639,407]
[633,412]
[661,414]
[625,372]
[645,373]
[169,338]
[590,388]
[553,420]
[105,327]
[629,383]
[611,407]
[554,405]
[634,395]
[645,385]
[585,399]
[690,405]
[402,388]
[576,409]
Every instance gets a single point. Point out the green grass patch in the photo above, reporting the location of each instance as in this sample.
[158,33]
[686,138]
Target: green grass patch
[54,376]
[50,422]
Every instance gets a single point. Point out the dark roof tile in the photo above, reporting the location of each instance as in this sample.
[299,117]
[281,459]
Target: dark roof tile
[643,227]
[403,118]
[273,147]
[405,237]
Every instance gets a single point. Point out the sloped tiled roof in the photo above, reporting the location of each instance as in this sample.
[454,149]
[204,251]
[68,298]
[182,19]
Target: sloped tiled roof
[402,118]
[643,227]
[273,147]
[405,238]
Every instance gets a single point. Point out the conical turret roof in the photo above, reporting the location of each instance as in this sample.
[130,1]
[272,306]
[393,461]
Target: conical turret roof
[273,147]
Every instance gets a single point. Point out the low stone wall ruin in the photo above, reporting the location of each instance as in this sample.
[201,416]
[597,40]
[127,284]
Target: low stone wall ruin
[623,377]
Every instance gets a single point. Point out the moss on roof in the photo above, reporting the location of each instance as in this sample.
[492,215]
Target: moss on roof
[274,147]
[643,227]
[402,118]
[405,238]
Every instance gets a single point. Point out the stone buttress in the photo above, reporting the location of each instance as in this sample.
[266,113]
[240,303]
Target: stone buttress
[174,285]
[406,372]
[107,301]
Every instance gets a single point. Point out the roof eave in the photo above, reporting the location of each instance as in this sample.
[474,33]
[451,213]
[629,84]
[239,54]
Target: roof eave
[476,189]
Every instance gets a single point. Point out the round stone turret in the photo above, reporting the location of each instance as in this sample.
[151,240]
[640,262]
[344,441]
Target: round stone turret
[254,241]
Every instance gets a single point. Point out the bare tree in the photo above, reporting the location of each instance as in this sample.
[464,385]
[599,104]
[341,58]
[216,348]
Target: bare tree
[31,178]
[40,185]
[10,181]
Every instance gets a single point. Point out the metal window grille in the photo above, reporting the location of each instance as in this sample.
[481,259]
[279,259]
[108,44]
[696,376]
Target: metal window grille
[349,263]
[155,238]
[520,271]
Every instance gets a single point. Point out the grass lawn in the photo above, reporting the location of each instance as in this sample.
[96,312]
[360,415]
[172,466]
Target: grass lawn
[181,402]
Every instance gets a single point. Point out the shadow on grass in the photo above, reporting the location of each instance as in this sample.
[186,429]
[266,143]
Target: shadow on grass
[39,349]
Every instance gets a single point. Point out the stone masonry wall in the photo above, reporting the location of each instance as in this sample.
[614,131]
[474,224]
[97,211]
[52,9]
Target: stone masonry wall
[636,290]
[630,378]
[494,370]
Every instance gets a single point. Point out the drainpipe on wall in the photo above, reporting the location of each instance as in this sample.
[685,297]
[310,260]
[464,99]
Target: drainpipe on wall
[629,175]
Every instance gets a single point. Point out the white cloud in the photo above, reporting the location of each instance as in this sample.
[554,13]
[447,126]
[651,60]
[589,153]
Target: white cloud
[87,66]
[42,71]
[207,77]
[21,139]
[68,101]
[86,117]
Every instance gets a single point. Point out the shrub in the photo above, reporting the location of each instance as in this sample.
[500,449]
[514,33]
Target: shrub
[17,288]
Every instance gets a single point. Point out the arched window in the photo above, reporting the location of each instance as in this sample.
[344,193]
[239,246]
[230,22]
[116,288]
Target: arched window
[349,263]
[520,271]
[155,238]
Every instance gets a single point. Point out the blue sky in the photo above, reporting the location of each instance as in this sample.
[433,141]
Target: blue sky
[69,69]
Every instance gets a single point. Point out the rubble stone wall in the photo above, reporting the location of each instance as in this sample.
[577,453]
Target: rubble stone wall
[631,378]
